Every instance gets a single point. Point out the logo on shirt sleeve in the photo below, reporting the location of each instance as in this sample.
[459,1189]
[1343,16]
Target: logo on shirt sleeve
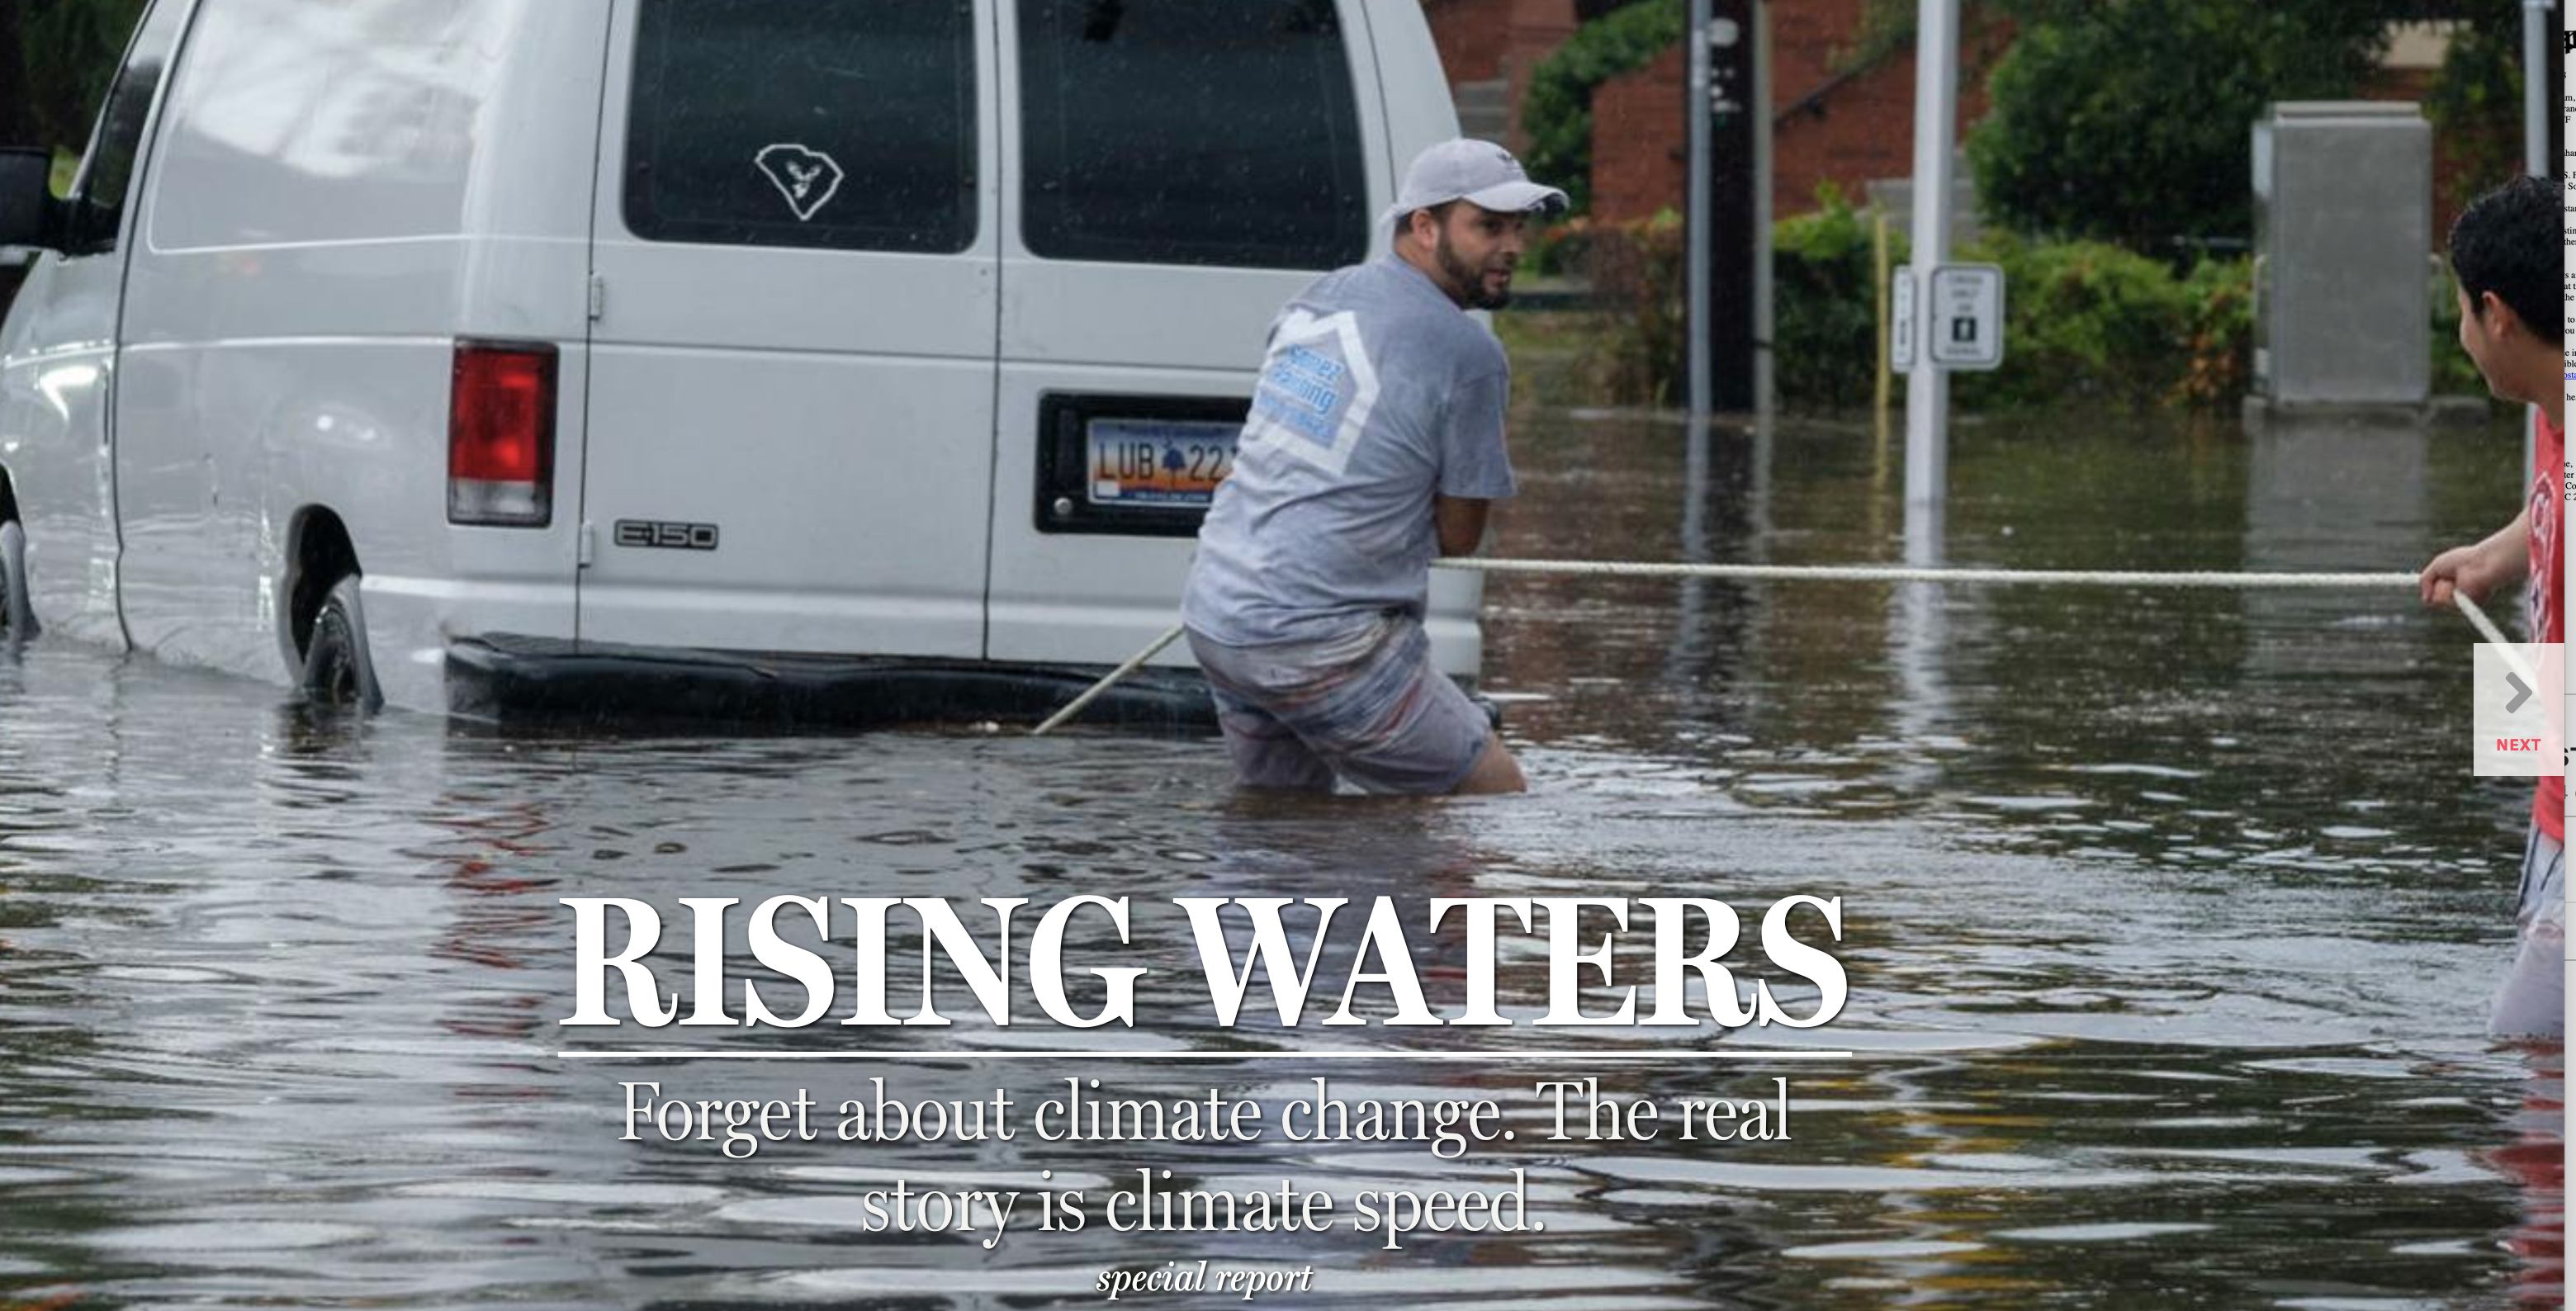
[1316,391]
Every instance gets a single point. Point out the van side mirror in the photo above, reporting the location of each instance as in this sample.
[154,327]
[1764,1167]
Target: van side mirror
[27,205]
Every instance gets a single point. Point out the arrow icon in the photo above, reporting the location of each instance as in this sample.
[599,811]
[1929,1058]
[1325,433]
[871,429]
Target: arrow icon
[2521,693]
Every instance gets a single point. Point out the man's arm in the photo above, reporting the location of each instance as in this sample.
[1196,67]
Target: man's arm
[1460,522]
[2482,567]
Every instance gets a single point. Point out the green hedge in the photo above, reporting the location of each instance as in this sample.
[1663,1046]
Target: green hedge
[2086,322]
[1824,312]
[1557,112]
[2091,322]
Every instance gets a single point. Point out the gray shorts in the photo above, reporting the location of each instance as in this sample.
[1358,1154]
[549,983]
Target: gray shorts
[1368,708]
[2533,1001]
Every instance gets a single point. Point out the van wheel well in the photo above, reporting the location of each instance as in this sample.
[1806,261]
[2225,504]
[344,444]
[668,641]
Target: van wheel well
[323,556]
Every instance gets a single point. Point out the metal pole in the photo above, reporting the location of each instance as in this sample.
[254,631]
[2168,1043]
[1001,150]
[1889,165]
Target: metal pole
[1927,389]
[1764,319]
[2535,88]
[2535,155]
[1695,104]
[1879,272]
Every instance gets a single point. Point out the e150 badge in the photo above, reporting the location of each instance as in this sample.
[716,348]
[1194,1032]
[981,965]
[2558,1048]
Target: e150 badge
[666,535]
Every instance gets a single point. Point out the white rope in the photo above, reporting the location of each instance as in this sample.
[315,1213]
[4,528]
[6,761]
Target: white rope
[1848,573]
[2485,626]
[2504,646]
[1134,663]
[2061,577]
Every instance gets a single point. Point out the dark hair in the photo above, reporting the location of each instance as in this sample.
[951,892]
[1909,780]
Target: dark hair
[2508,241]
[1439,215]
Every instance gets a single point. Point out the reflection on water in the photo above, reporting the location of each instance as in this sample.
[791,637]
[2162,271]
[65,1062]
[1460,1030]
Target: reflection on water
[2170,920]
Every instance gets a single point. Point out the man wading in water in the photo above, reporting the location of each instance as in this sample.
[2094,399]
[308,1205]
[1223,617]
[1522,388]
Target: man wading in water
[1375,441]
[2505,252]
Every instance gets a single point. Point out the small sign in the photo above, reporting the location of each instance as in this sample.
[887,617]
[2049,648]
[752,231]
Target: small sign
[1900,328]
[1967,318]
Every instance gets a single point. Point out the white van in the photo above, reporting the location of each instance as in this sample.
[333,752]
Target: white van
[873,353]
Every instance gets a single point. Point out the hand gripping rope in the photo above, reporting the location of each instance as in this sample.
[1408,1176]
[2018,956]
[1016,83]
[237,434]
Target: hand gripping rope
[1886,574]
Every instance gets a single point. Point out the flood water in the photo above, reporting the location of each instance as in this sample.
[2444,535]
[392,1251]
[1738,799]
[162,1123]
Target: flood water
[2170,919]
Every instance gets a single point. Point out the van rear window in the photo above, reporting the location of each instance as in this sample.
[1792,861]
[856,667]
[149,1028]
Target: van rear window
[792,123]
[1190,132]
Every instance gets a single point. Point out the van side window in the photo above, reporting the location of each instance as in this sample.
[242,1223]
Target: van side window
[791,123]
[1188,132]
[107,172]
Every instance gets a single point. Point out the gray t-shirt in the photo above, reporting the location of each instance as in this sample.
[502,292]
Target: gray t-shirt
[1376,392]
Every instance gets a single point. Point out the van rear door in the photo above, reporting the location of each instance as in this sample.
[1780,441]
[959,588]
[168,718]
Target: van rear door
[1176,173]
[791,415]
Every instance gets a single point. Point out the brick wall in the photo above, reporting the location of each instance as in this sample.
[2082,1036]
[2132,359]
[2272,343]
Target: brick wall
[1487,40]
[1638,145]
[1538,27]
[1472,36]
[1861,126]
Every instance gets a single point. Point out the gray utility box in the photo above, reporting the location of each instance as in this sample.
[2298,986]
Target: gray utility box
[2343,237]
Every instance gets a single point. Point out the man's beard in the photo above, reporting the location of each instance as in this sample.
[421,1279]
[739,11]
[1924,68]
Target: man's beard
[1469,280]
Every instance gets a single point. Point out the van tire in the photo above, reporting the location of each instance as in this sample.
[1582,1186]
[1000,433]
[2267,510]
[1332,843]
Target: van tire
[338,673]
[17,606]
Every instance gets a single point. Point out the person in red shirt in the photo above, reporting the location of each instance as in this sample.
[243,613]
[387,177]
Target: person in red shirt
[2505,252]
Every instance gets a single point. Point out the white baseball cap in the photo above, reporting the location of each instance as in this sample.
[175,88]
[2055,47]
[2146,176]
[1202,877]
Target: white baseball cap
[1478,172]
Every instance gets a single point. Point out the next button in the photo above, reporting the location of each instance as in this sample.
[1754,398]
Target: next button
[2517,709]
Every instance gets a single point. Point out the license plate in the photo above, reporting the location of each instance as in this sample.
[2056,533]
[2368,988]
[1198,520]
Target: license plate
[1159,462]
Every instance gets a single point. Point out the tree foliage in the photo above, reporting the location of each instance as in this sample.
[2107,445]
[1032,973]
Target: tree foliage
[2475,102]
[2130,121]
[56,59]
[1557,112]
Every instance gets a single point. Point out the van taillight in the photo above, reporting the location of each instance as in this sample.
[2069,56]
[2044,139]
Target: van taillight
[501,435]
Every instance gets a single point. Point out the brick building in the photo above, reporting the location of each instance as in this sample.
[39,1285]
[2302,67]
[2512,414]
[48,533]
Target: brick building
[1836,118]
[1840,120]
[1841,116]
